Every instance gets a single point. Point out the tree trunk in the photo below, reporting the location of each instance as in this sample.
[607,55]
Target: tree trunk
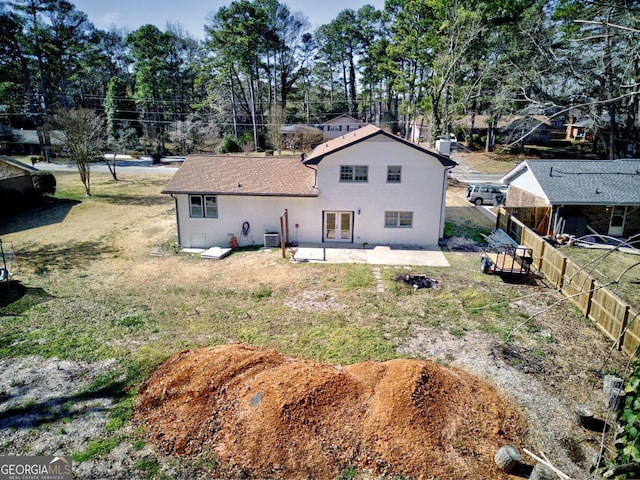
[491,133]
[615,399]
[353,101]
[507,457]
[85,175]
[611,81]
[112,168]
[234,112]
[583,416]
[610,382]
[613,133]
[253,115]
[63,87]
[345,84]
[542,472]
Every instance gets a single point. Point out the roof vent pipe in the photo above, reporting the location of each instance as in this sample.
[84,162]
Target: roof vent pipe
[551,172]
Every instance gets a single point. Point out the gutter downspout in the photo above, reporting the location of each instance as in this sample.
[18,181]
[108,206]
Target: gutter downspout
[445,177]
[175,202]
[315,175]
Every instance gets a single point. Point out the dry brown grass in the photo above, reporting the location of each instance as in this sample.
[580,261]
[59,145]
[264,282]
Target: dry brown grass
[490,162]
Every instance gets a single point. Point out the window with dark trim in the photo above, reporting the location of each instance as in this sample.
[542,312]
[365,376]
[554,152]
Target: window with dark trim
[203,206]
[398,219]
[394,174]
[354,173]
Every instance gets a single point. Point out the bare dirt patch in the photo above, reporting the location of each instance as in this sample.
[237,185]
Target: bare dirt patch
[37,392]
[314,301]
[273,417]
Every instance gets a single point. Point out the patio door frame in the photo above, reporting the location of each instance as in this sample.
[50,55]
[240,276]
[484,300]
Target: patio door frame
[337,217]
[617,230]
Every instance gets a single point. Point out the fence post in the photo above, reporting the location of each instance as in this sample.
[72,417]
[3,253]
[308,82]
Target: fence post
[587,309]
[625,320]
[541,257]
[284,231]
[562,272]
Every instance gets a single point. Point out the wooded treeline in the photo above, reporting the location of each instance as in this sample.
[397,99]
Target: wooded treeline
[260,66]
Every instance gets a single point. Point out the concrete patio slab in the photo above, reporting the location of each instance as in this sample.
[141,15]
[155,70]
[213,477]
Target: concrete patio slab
[378,255]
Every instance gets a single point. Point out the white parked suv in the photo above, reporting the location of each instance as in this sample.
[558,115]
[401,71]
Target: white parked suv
[486,193]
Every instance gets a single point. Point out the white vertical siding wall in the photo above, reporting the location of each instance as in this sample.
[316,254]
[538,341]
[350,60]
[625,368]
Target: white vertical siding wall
[420,191]
[262,213]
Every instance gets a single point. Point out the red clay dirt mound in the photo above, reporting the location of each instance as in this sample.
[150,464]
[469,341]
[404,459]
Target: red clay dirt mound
[264,415]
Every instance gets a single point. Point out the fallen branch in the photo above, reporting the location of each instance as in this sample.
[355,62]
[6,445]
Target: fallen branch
[632,467]
[546,461]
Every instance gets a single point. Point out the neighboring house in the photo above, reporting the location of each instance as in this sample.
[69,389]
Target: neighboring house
[16,141]
[338,126]
[580,130]
[365,187]
[576,197]
[534,129]
[16,184]
[6,134]
[15,175]
[531,129]
[419,130]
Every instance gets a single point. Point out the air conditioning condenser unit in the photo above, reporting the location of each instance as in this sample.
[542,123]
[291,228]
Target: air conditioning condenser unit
[271,239]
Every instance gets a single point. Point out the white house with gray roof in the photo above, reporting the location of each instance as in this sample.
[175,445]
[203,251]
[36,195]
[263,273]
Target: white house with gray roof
[365,187]
[576,196]
[340,125]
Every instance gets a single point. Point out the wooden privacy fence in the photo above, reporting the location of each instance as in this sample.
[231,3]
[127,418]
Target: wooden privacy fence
[615,318]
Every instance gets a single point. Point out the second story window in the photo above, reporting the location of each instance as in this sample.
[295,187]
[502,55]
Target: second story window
[394,173]
[354,173]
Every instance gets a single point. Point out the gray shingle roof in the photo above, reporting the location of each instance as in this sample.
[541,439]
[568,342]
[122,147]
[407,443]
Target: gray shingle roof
[235,175]
[30,137]
[585,182]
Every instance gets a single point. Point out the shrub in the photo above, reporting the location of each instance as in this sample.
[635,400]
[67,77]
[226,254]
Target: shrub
[45,183]
[627,451]
[229,144]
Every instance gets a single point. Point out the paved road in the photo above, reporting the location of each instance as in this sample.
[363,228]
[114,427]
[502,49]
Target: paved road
[463,172]
[142,165]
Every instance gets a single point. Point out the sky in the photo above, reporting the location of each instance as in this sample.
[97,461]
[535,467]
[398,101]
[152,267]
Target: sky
[192,14]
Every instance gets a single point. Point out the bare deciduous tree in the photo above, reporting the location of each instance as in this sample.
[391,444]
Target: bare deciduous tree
[83,134]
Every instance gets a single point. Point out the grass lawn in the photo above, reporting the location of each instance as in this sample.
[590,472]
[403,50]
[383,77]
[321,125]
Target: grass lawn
[89,289]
